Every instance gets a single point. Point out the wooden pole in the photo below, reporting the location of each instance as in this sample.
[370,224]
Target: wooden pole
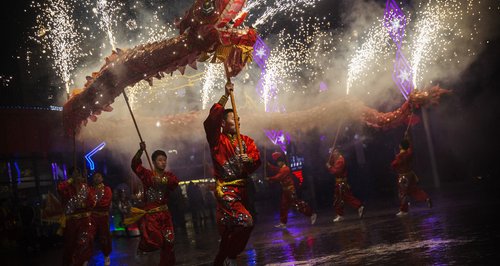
[335,141]
[236,118]
[137,128]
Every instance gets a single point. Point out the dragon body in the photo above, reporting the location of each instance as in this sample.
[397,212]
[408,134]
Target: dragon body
[210,29]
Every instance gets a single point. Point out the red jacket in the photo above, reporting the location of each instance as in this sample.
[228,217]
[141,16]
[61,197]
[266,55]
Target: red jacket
[284,176]
[402,163]
[155,194]
[103,197]
[224,151]
[76,199]
[338,167]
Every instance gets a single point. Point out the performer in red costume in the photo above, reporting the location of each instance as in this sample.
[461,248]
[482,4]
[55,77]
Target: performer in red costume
[78,199]
[155,221]
[337,166]
[232,168]
[100,216]
[288,196]
[407,180]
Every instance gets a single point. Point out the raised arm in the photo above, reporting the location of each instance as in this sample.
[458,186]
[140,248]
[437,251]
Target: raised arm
[213,122]
[136,163]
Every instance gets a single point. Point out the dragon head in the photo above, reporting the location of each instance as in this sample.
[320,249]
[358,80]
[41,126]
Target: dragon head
[215,27]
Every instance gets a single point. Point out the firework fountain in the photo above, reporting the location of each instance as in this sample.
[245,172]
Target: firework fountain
[58,34]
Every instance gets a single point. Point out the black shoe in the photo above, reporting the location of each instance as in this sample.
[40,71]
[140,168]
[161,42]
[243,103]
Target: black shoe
[429,203]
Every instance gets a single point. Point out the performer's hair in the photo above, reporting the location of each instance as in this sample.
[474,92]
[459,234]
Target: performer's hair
[97,173]
[405,144]
[158,153]
[227,111]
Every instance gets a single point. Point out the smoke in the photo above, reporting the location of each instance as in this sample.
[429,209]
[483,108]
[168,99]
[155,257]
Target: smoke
[303,58]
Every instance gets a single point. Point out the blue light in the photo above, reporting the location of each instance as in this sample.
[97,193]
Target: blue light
[18,173]
[10,172]
[91,153]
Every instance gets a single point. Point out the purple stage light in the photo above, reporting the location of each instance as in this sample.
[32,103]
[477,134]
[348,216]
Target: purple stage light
[402,74]
[395,21]
[278,137]
[261,53]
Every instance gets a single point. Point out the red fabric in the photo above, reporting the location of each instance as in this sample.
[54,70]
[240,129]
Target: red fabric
[104,197]
[288,195]
[272,169]
[78,241]
[100,222]
[337,167]
[407,180]
[417,99]
[284,177]
[146,177]
[157,230]
[234,221]
[277,155]
[100,232]
[69,191]
[223,150]
[344,195]
[78,235]
[402,163]
[407,186]
[289,199]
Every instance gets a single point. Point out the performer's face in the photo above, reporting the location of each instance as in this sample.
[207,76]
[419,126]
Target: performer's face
[229,125]
[160,162]
[97,179]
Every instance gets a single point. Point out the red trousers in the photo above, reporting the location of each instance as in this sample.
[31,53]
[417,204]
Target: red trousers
[78,240]
[407,186]
[234,223]
[344,195]
[100,230]
[157,232]
[289,199]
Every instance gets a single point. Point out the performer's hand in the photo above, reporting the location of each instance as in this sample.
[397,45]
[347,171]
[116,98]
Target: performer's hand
[328,165]
[244,158]
[142,146]
[229,88]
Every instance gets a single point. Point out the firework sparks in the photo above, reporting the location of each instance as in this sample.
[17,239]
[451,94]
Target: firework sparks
[212,72]
[280,7]
[106,12]
[58,34]
[370,51]
[293,54]
[435,32]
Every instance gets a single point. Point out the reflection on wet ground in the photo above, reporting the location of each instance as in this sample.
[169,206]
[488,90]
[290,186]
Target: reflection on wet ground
[459,230]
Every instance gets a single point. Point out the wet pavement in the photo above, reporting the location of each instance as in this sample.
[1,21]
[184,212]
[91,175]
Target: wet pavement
[459,230]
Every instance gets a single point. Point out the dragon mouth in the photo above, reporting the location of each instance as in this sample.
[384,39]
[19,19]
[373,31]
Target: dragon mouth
[233,10]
